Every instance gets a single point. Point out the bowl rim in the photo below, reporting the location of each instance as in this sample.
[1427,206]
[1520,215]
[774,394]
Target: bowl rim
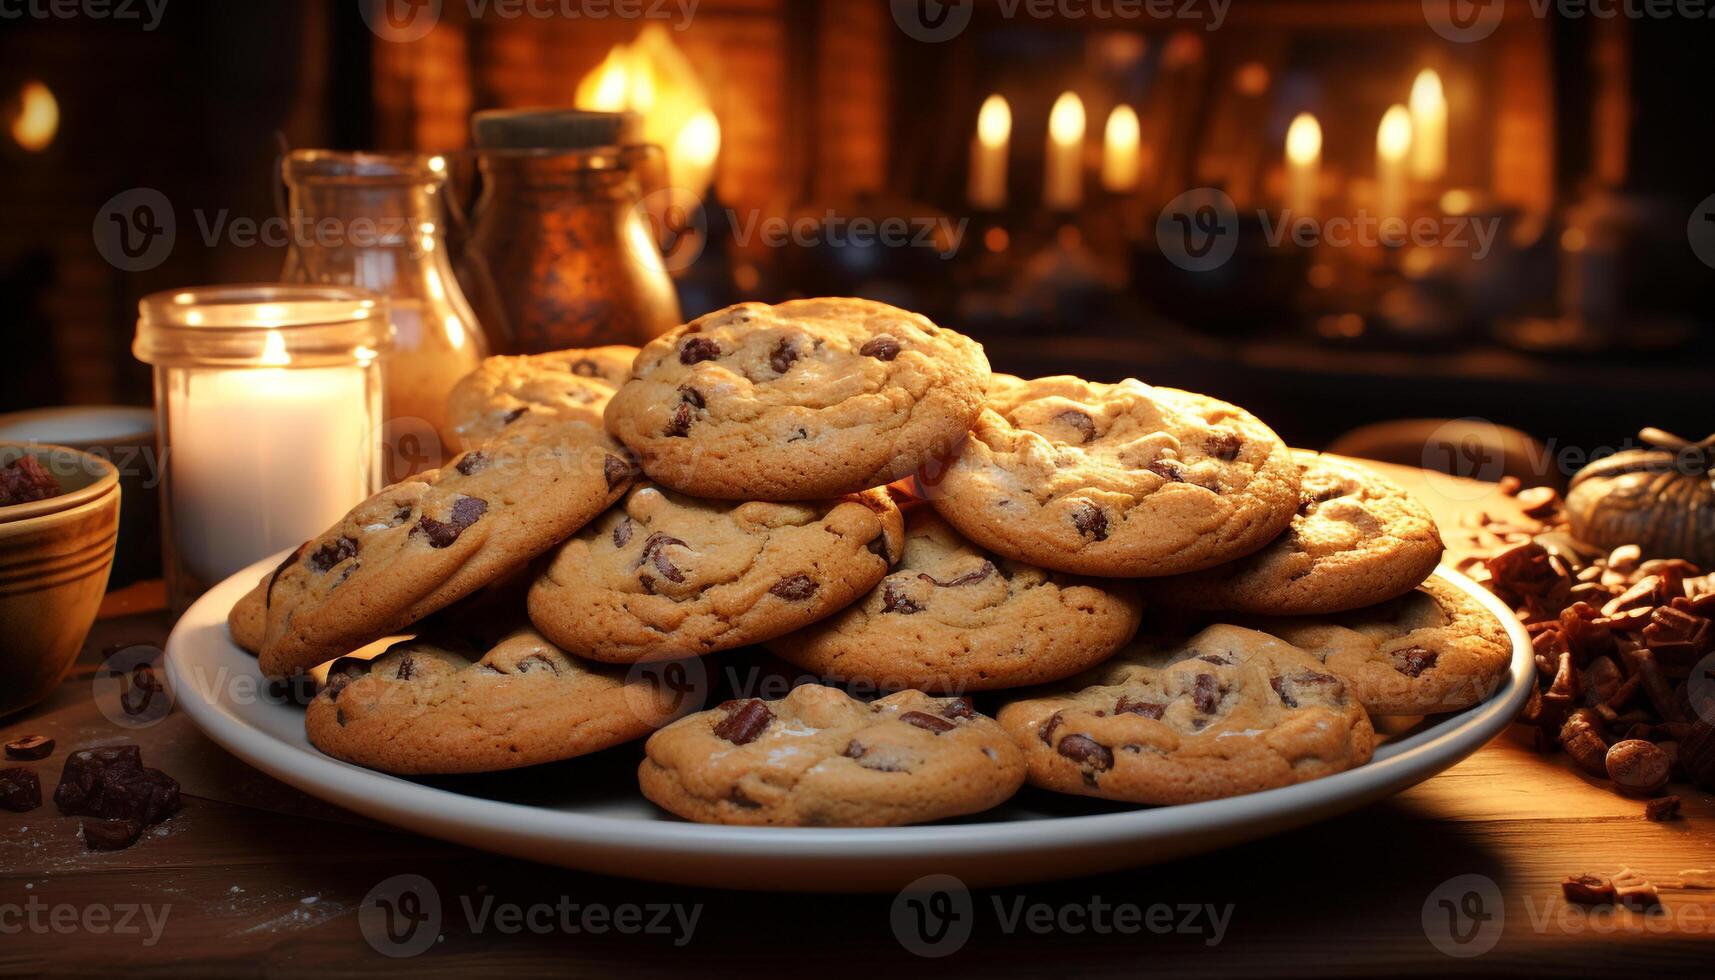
[38,510]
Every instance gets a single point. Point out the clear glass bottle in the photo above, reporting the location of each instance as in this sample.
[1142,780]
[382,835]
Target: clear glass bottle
[376,221]
[268,403]
[562,231]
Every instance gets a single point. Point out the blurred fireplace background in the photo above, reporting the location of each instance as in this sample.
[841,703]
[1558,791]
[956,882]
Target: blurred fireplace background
[1584,139]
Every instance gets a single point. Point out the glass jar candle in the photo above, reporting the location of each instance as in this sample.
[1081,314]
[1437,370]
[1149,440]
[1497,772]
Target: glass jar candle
[268,400]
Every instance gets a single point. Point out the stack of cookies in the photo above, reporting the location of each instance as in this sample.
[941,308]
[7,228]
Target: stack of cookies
[847,484]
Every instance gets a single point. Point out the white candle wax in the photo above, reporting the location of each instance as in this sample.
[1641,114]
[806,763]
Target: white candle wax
[264,459]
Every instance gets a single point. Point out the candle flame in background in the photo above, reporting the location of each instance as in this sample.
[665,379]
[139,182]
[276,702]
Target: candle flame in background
[38,117]
[994,121]
[1429,126]
[1303,139]
[1066,120]
[1121,140]
[653,78]
[274,349]
[1393,137]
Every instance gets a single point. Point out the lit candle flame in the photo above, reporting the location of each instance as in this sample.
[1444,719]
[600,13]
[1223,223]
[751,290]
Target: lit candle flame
[1066,120]
[994,122]
[699,142]
[1429,126]
[1393,137]
[38,118]
[1304,139]
[274,350]
[1120,148]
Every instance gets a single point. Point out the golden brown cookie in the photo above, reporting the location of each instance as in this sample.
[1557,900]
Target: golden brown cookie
[439,704]
[1226,712]
[568,384]
[668,576]
[806,400]
[819,758]
[1357,539]
[1122,480]
[1431,650]
[247,623]
[953,618]
[418,546]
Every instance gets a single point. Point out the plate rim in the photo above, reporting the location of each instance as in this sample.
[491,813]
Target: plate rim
[429,809]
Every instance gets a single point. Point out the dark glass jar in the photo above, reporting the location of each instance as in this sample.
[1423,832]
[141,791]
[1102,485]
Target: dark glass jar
[561,232]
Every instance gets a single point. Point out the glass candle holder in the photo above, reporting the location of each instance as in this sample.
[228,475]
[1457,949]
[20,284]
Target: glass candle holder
[269,402]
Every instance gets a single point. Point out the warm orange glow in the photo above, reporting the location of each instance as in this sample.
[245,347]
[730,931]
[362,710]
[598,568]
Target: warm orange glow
[1066,120]
[1063,180]
[1428,126]
[1303,164]
[1121,151]
[38,117]
[987,185]
[994,122]
[1251,79]
[653,78]
[1304,139]
[1393,137]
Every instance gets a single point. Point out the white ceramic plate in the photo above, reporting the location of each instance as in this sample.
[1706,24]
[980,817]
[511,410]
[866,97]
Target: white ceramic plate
[587,814]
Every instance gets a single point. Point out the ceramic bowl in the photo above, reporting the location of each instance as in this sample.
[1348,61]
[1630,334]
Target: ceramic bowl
[53,573]
[82,477]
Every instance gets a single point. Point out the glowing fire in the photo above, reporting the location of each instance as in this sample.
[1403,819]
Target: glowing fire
[652,77]
[38,118]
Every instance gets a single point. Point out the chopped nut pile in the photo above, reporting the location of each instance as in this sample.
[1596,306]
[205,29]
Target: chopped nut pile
[24,481]
[1621,641]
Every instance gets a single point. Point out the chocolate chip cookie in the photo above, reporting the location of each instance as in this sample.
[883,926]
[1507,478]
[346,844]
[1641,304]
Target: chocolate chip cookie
[954,618]
[445,704]
[1433,649]
[568,383]
[1357,539]
[420,545]
[802,401]
[1226,712]
[1123,480]
[818,757]
[247,622]
[669,576]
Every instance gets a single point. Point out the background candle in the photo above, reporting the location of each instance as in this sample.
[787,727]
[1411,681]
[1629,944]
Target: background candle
[1063,180]
[987,188]
[1428,127]
[1120,151]
[1393,142]
[1303,165]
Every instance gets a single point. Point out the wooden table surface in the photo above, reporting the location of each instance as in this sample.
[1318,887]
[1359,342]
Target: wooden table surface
[254,878]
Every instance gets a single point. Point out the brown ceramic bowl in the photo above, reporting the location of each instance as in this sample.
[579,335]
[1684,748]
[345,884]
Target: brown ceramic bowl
[82,477]
[53,573]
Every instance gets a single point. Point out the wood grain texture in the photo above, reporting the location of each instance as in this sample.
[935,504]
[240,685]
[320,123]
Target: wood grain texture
[258,879]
